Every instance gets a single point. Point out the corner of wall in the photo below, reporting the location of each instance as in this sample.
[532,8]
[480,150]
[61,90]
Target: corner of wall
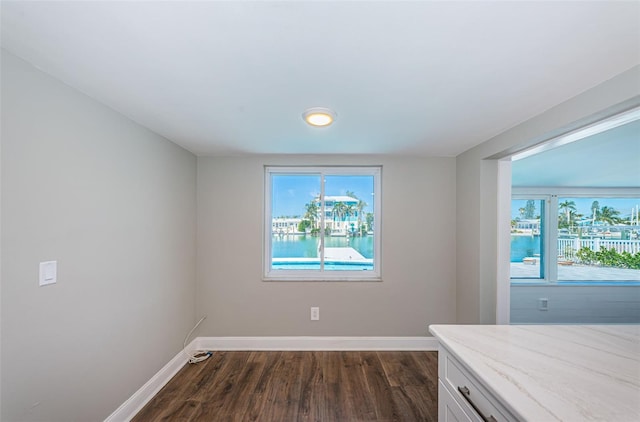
[477,183]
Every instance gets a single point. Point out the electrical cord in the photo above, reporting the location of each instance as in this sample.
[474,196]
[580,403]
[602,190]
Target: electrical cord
[199,355]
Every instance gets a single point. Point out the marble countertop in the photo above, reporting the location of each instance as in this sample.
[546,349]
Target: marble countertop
[553,372]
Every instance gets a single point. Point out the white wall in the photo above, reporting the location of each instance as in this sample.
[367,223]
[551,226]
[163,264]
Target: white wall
[477,182]
[114,204]
[418,242]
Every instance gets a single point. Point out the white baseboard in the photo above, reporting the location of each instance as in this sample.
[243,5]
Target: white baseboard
[140,398]
[316,343]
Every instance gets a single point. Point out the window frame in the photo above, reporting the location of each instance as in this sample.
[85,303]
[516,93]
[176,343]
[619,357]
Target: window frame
[551,196]
[545,230]
[270,274]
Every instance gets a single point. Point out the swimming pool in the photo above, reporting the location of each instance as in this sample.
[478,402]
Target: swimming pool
[314,264]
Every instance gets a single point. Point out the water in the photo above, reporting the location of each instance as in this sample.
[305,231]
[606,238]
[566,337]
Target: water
[523,246]
[307,246]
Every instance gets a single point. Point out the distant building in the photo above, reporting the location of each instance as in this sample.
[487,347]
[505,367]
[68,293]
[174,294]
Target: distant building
[341,222]
[529,226]
[285,225]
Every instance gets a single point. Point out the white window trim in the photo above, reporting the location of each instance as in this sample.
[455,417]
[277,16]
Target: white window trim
[270,274]
[551,194]
[544,230]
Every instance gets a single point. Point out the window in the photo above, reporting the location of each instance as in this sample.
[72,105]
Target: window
[527,238]
[322,223]
[576,237]
[598,239]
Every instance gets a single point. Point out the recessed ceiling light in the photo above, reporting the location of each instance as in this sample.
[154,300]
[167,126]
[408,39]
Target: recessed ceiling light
[319,116]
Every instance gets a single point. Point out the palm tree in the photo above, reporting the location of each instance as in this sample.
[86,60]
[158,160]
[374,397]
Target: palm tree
[530,209]
[361,206]
[609,215]
[338,211]
[370,221]
[311,213]
[349,211]
[575,215]
[568,207]
[595,211]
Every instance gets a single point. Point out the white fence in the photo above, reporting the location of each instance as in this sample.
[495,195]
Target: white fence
[568,247]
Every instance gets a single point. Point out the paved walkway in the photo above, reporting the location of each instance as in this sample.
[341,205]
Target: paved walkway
[577,272]
[343,254]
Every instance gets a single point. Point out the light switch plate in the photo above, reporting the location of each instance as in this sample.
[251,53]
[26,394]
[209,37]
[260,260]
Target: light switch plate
[48,272]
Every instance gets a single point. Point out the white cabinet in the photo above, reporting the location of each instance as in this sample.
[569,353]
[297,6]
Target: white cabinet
[538,372]
[449,410]
[461,397]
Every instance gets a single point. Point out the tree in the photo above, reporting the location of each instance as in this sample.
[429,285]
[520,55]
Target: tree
[595,211]
[530,209]
[311,213]
[370,220]
[303,225]
[574,215]
[360,207]
[567,207]
[338,211]
[609,215]
[349,211]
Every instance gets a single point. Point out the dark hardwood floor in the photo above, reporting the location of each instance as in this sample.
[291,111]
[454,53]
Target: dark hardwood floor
[301,386]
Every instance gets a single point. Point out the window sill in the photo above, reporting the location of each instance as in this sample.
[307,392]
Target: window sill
[319,279]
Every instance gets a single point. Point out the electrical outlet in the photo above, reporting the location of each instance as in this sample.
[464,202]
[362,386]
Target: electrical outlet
[315,313]
[543,304]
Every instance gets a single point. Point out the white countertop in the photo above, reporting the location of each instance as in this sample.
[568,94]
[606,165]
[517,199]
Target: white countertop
[553,372]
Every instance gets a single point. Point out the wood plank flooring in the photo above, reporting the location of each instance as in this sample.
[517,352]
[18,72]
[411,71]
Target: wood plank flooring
[301,386]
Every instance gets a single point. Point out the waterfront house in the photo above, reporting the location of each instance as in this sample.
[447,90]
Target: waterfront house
[529,227]
[285,225]
[341,215]
[341,218]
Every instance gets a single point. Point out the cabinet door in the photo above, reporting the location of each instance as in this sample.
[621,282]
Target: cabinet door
[448,408]
[478,400]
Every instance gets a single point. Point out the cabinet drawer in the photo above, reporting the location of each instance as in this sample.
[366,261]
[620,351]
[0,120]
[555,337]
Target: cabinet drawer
[449,410]
[469,391]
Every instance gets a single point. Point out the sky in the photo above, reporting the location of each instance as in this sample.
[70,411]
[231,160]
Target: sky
[583,205]
[292,192]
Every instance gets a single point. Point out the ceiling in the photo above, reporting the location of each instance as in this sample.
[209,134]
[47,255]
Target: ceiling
[607,159]
[423,77]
